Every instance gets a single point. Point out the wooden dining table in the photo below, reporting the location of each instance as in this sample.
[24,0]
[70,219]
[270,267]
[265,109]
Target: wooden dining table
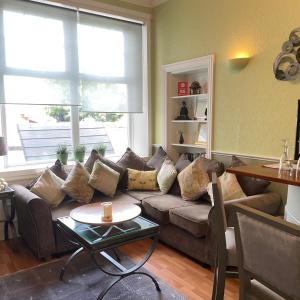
[292,179]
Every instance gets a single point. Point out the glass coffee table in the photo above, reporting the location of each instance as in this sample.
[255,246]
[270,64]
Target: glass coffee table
[97,239]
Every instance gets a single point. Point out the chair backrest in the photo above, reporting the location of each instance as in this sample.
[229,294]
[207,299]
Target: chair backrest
[269,251]
[220,217]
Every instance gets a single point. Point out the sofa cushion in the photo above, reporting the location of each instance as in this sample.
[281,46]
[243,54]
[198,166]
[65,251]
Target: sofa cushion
[193,219]
[76,185]
[104,179]
[157,159]
[212,165]
[180,165]
[166,176]
[141,195]
[65,207]
[250,185]
[96,156]
[131,160]
[158,207]
[193,180]
[142,180]
[58,169]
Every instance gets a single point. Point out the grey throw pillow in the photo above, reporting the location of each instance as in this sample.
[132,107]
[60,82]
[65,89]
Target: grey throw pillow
[250,185]
[58,169]
[94,156]
[158,158]
[130,160]
[180,165]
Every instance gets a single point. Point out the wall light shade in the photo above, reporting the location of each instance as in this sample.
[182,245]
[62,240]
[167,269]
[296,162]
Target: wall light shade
[239,63]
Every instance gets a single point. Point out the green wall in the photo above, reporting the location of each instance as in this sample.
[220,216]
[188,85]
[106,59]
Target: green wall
[252,110]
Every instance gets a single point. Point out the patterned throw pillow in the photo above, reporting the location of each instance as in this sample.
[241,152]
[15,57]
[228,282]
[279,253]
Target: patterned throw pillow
[48,187]
[157,160]
[104,179]
[142,180]
[76,185]
[193,180]
[230,187]
[166,176]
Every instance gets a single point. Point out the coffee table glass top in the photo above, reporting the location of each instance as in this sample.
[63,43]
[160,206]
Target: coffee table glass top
[100,235]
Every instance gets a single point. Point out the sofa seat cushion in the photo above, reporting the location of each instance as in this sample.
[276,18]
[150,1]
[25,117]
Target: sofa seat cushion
[158,207]
[65,207]
[141,195]
[193,219]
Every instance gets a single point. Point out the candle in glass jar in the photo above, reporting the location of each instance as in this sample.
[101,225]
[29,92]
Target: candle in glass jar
[107,211]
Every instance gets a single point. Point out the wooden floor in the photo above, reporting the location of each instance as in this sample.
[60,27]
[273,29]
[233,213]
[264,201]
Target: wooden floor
[177,270]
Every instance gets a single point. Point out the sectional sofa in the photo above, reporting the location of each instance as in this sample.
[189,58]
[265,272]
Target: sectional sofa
[187,226]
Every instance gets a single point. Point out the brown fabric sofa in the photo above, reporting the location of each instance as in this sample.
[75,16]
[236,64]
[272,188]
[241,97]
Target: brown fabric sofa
[185,225]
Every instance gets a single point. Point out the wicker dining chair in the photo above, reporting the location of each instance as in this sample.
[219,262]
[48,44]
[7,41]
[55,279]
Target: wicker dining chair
[268,251]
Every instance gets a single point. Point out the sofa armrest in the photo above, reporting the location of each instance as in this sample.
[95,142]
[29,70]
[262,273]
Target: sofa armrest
[34,222]
[269,203]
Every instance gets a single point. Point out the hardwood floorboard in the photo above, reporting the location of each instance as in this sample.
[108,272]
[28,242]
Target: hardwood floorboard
[177,270]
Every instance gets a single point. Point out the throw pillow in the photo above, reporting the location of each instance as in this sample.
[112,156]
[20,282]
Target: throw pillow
[76,184]
[212,165]
[48,186]
[58,169]
[166,176]
[157,160]
[96,156]
[142,180]
[250,185]
[132,161]
[180,165]
[104,179]
[230,187]
[193,180]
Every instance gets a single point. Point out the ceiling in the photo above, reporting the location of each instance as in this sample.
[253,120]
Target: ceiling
[146,3]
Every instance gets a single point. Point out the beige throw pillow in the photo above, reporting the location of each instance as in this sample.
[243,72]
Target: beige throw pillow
[104,179]
[166,176]
[193,180]
[230,187]
[48,187]
[76,184]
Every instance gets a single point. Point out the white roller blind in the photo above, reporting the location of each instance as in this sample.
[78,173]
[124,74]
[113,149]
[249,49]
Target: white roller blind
[57,56]
[110,64]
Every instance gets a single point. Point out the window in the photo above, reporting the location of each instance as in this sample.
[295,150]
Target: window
[69,78]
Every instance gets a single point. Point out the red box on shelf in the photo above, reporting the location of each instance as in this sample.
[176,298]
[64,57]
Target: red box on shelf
[183,88]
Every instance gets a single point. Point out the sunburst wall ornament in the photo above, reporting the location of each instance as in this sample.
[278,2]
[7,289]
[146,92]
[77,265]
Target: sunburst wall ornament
[287,64]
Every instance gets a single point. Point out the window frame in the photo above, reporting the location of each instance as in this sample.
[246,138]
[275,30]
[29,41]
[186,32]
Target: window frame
[75,123]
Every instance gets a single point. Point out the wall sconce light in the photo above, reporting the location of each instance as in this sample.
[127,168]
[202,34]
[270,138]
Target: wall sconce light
[239,62]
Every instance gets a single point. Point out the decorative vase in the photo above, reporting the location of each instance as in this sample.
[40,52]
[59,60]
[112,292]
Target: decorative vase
[79,156]
[63,157]
[181,139]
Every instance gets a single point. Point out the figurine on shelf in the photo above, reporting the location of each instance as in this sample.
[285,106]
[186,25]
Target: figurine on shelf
[184,113]
[181,139]
[195,88]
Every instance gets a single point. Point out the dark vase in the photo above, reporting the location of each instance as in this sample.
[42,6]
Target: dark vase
[181,139]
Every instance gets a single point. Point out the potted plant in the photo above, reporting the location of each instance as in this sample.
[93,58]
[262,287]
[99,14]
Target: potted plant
[101,149]
[62,153]
[79,153]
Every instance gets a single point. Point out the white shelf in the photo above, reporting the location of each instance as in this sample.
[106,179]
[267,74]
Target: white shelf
[203,97]
[189,121]
[198,146]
